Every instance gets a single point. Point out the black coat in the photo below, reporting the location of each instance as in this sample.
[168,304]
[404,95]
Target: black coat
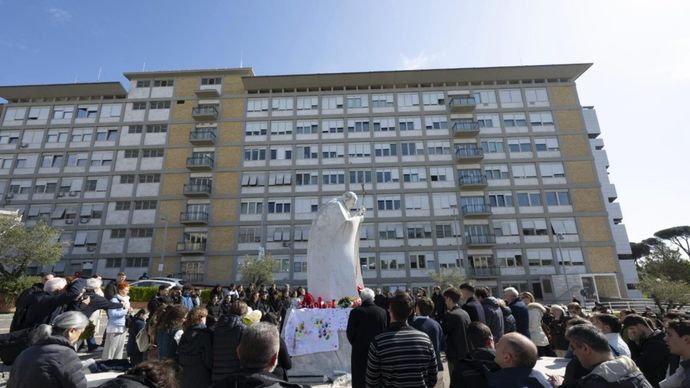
[284,361]
[439,306]
[50,363]
[474,310]
[135,326]
[226,338]
[474,370]
[156,302]
[195,355]
[110,290]
[22,306]
[521,315]
[214,314]
[43,307]
[253,378]
[455,323]
[97,302]
[653,357]
[129,381]
[494,317]
[365,322]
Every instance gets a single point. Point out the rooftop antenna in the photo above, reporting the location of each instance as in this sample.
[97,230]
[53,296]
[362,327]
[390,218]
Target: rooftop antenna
[143,67]
[100,68]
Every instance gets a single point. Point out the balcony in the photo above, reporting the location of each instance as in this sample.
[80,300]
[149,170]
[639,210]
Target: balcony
[205,112]
[462,104]
[472,181]
[463,155]
[197,190]
[200,163]
[194,218]
[479,210]
[202,137]
[484,272]
[481,240]
[207,92]
[191,248]
[465,128]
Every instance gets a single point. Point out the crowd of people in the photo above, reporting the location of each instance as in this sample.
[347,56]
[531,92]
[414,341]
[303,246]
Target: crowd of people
[397,338]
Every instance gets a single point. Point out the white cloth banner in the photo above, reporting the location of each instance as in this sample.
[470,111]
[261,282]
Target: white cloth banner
[310,331]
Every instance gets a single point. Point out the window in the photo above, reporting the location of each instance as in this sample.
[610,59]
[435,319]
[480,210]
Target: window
[357,101]
[332,102]
[505,228]
[332,126]
[408,99]
[536,96]
[281,153]
[281,128]
[546,144]
[414,175]
[330,151]
[275,207]
[436,122]
[152,152]
[307,103]
[557,198]
[444,201]
[534,227]
[388,203]
[135,128]
[38,113]
[150,178]
[510,96]
[416,202]
[114,262]
[56,136]
[444,231]
[281,104]
[368,263]
[360,176]
[485,97]
[141,232]
[45,187]
[257,105]
[511,120]
[492,146]
[145,205]
[61,112]
[82,135]
[408,149]
[418,261]
[251,207]
[280,179]
[211,81]
[306,178]
[521,144]
[131,154]
[358,126]
[137,262]
[385,149]
[157,128]
[386,124]
[529,199]
[333,177]
[418,231]
[141,105]
[258,128]
[382,100]
[391,232]
[250,235]
[433,98]
[122,205]
[304,127]
[87,111]
[540,119]
[163,83]
[571,256]
[563,226]
[551,170]
[393,263]
[159,104]
[308,152]
[118,233]
[77,159]
[487,121]
[510,258]
[359,150]
[127,179]
[143,84]
[438,148]
[501,200]
[496,171]
[524,171]
[410,123]
[439,174]
[104,134]
[254,154]
[539,257]
[52,161]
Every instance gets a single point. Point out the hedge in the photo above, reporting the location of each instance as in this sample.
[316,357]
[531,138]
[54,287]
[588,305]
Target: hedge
[144,294]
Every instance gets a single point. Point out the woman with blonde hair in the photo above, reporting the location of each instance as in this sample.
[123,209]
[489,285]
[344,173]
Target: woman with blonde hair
[51,361]
[536,331]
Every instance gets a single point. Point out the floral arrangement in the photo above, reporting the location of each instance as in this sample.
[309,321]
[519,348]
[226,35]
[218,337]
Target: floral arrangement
[348,301]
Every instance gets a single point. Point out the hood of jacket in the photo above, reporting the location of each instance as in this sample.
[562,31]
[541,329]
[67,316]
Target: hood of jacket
[491,301]
[55,340]
[620,368]
[537,306]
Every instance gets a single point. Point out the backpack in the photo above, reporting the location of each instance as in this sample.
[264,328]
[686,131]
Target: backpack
[142,339]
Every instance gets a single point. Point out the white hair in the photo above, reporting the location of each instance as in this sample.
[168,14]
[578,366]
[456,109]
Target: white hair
[54,284]
[63,322]
[93,283]
[512,291]
[366,294]
[349,195]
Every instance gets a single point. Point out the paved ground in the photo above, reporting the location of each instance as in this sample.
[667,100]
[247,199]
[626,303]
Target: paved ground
[6,319]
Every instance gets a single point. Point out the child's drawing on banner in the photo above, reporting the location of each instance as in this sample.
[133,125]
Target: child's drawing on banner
[310,331]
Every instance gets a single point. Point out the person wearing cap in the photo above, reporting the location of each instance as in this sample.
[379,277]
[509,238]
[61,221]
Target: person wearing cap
[653,353]
[51,361]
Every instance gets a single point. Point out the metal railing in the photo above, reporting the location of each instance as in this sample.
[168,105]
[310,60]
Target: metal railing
[200,161]
[202,135]
[462,153]
[200,188]
[465,180]
[205,110]
[483,239]
[462,102]
[194,217]
[476,209]
[191,247]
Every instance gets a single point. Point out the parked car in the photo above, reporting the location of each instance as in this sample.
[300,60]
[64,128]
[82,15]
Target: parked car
[155,283]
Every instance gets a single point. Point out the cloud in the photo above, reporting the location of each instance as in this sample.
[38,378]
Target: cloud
[59,16]
[420,61]
[13,44]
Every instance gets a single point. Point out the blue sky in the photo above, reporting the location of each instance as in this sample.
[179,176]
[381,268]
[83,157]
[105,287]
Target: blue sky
[639,81]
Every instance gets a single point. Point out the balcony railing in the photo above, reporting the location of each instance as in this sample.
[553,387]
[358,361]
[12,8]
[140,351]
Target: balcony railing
[476,210]
[197,189]
[472,180]
[485,272]
[200,162]
[482,239]
[191,247]
[205,112]
[462,103]
[193,218]
[202,137]
[469,154]
[465,128]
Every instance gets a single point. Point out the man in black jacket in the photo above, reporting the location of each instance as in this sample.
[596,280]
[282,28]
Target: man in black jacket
[518,309]
[439,304]
[473,371]
[226,337]
[159,299]
[22,303]
[653,352]
[111,288]
[52,300]
[258,354]
[454,324]
[365,322]
[492,312]
[473,308]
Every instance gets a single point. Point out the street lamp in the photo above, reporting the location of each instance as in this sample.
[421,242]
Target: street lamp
[457,235]
[559,237]
[164,218]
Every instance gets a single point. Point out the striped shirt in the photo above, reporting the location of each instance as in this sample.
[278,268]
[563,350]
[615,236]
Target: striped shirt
[401,357]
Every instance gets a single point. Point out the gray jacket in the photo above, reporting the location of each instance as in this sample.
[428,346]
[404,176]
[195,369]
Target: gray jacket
[50,363]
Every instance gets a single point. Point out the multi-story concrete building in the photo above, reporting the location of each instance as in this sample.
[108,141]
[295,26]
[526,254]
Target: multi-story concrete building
[492,172]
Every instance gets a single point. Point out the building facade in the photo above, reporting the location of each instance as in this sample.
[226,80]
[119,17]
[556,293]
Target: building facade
[495,173]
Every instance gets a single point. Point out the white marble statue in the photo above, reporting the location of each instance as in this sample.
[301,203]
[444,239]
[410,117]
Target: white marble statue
[333,269]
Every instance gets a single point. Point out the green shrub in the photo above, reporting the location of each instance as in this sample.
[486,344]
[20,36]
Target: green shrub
[142,294]
[11,288]
[205,296]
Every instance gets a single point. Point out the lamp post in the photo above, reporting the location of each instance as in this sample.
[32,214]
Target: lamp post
[164,218]
[457,235]
[559,237]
